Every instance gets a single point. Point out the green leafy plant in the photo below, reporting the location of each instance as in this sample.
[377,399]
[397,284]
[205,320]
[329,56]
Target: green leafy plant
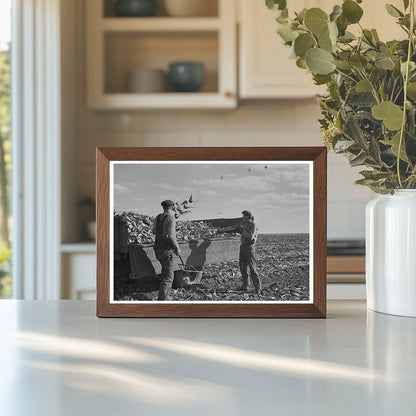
[5,279]
[369,112]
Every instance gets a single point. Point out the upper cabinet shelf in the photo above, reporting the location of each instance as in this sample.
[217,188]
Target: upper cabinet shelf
[160,24]
[129,58]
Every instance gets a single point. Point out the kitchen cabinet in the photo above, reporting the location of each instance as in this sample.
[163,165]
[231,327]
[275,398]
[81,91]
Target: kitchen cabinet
[78,262]
[265,70]
[346,277]
[118,45]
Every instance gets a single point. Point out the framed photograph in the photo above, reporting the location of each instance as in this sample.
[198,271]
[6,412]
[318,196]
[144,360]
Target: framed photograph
[211,232]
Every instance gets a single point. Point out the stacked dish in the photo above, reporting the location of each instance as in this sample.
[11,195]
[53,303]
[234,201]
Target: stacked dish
[147,80]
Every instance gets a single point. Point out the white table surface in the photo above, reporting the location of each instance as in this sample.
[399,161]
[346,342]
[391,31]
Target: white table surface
[57,358]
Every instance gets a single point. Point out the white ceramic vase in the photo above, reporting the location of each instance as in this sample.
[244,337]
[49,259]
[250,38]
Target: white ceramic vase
[391,253]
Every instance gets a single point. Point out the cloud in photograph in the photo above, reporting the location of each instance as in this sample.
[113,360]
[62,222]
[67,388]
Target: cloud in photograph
[120,189]
[277,193]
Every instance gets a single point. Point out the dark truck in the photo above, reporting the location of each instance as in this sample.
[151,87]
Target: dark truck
[139,262]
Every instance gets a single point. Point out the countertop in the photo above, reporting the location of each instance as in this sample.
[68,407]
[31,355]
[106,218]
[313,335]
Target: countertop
[57,358]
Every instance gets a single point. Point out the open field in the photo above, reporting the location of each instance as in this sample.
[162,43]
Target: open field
[283,266]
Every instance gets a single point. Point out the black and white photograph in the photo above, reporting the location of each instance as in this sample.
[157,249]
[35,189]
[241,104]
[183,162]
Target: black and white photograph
[211,231]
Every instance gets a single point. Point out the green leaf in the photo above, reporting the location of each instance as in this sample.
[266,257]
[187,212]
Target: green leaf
[301,63]
[351,11]
[358,61]
[396,70]
[343,145]
[412,67]
[353,131]
[321,79]
[319,61]
[358,160]
[411,123]
[325,42]
[388,112]
[384,62]
[303,43]
[333,32]
[336,12]
[271,4]
[281,19]
[365,182]
[347,37]
[282,4]
[393,11]
[334,91]
[385,50]
[382,89]
[362,99]
[374,150]
[276,4]
[405,21]
[316,20]
[287,33]
[374,175]
[394,145]
[363,86]
[375,35]
[368,36]
[344,65]
[301,15]
[342,25]
[411,90]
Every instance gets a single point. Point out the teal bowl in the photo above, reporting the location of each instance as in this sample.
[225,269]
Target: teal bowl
[135,8]
[186,76]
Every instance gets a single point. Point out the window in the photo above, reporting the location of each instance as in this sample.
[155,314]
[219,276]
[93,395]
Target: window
[5,147]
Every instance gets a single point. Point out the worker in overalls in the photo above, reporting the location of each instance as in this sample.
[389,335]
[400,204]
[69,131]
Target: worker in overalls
[166,246]
[249,231]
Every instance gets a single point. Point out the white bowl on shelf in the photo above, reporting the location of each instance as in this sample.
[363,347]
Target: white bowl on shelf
[191,8]
[147,80]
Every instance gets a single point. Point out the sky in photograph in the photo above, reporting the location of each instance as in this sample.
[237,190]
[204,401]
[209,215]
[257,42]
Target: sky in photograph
[277,194]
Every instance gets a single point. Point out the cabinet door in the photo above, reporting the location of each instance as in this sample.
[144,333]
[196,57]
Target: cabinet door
[78,276]
[116,46]
[266,71]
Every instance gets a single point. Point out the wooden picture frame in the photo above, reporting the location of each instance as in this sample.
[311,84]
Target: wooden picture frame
[279,158]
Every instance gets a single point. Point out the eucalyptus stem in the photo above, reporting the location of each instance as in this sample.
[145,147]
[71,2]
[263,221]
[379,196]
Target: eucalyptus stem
[406,79]
[346,75]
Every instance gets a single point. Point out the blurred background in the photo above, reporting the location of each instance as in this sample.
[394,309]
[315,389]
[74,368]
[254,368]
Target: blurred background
[145,73]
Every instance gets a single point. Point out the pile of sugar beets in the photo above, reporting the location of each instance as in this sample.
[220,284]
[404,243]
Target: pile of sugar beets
[139,229]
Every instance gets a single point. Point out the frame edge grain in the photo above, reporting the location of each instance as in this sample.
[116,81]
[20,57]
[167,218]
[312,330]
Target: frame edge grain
[320,229]
[103,231]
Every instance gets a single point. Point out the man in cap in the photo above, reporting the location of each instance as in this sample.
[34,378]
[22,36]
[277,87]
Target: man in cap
[249,231]
[166,246]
